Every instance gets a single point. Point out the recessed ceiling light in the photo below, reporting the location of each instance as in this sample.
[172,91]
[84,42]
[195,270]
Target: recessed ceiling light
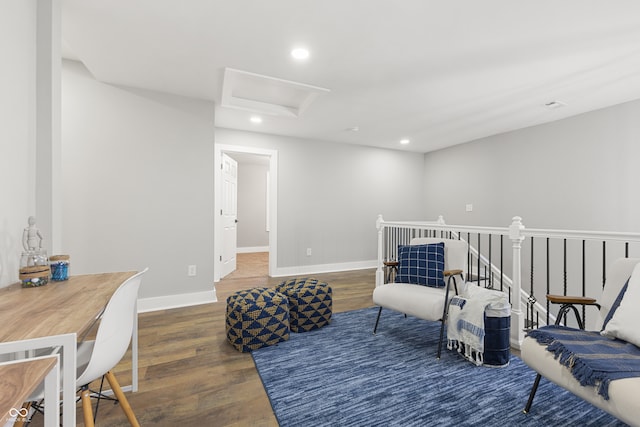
[300,53]
[256,119]
[404,141]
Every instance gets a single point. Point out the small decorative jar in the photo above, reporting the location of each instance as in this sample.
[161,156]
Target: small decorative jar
[59,267]
[34,257]
[34,276]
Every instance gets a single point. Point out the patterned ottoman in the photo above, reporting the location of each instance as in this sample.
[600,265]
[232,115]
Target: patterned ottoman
[310,303]
[257,318]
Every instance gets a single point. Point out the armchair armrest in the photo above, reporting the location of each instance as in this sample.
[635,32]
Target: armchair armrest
[570,299]
[568,303]
[452,272]
[450,275]
[392,269]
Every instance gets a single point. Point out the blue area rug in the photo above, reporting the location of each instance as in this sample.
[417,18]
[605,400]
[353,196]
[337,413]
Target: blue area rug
[343,375]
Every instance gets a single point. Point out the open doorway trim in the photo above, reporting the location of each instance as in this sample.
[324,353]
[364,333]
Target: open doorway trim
[273,203]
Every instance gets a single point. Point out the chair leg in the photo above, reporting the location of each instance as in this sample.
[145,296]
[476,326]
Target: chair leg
[563,311]
[440,340]
[87,412]
[98,399]
[375,328]
[532,394]
[445,312]
[124,403]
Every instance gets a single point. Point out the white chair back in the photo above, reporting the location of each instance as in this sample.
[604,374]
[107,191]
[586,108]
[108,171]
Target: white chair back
[115,330]
[455,251]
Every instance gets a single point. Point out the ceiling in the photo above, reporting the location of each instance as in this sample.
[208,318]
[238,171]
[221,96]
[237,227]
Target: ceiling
[436,72]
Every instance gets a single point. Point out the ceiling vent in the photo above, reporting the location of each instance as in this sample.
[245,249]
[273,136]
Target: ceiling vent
[554,104]
[266,95]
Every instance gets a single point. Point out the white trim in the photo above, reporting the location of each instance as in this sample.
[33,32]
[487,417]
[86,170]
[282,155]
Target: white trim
[176,301]
[324,268]
[196,298]
[252,249]
[273,205]
[267,225]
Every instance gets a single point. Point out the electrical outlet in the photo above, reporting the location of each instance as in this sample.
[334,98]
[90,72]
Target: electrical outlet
[191,270]
[469,207]
[308,251]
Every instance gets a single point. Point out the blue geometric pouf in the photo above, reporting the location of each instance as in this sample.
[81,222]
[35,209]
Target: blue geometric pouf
[310,303]
[257,318]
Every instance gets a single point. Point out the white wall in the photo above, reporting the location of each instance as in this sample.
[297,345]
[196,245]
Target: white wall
[17,134]
[252,205]
[578,173]
[138,183]
[330,194]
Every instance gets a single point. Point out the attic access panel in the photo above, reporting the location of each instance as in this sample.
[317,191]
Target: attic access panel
[266,95]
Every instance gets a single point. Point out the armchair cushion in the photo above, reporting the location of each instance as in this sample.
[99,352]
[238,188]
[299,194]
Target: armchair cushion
[618,274]
[624,322]
[623,401]
[421,265]
[615,305]
[593,360]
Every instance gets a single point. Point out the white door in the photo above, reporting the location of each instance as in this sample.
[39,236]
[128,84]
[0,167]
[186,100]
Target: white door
[229,214]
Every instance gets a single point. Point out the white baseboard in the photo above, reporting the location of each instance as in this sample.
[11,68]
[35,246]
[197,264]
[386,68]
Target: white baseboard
[323,268]
[176,301]
[252,249]
[196,298]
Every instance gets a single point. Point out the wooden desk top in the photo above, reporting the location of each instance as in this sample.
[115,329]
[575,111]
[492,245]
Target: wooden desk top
[57,307]
[18,380]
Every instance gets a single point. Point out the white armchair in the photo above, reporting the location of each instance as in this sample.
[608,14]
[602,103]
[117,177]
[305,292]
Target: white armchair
[426,302]
[622,393]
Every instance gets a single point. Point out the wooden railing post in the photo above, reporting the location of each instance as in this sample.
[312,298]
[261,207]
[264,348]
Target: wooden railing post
[379,270]
[517,319]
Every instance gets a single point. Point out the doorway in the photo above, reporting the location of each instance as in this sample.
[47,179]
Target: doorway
[272,186]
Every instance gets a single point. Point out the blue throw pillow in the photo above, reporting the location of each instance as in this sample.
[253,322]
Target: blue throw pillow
[421,265]
[615,305]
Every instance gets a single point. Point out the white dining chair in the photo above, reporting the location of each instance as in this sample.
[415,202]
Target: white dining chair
[96,358]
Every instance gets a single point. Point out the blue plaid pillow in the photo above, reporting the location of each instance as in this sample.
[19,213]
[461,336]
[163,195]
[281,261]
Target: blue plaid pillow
[421,264]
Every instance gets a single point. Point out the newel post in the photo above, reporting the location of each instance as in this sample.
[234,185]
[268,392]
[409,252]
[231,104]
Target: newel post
[516,235]
[379,270]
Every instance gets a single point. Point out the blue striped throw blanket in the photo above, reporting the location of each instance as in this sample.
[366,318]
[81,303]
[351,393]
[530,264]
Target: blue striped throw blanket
[593,360]
[465,325]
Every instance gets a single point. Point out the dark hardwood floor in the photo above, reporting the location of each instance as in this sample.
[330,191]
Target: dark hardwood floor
[191,376]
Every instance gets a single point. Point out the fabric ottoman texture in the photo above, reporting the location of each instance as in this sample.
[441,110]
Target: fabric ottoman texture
[310,303]
[257,318]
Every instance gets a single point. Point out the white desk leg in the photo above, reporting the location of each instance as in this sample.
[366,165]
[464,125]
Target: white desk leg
[69,380]
[134,350]
[52,394]
[68,343]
